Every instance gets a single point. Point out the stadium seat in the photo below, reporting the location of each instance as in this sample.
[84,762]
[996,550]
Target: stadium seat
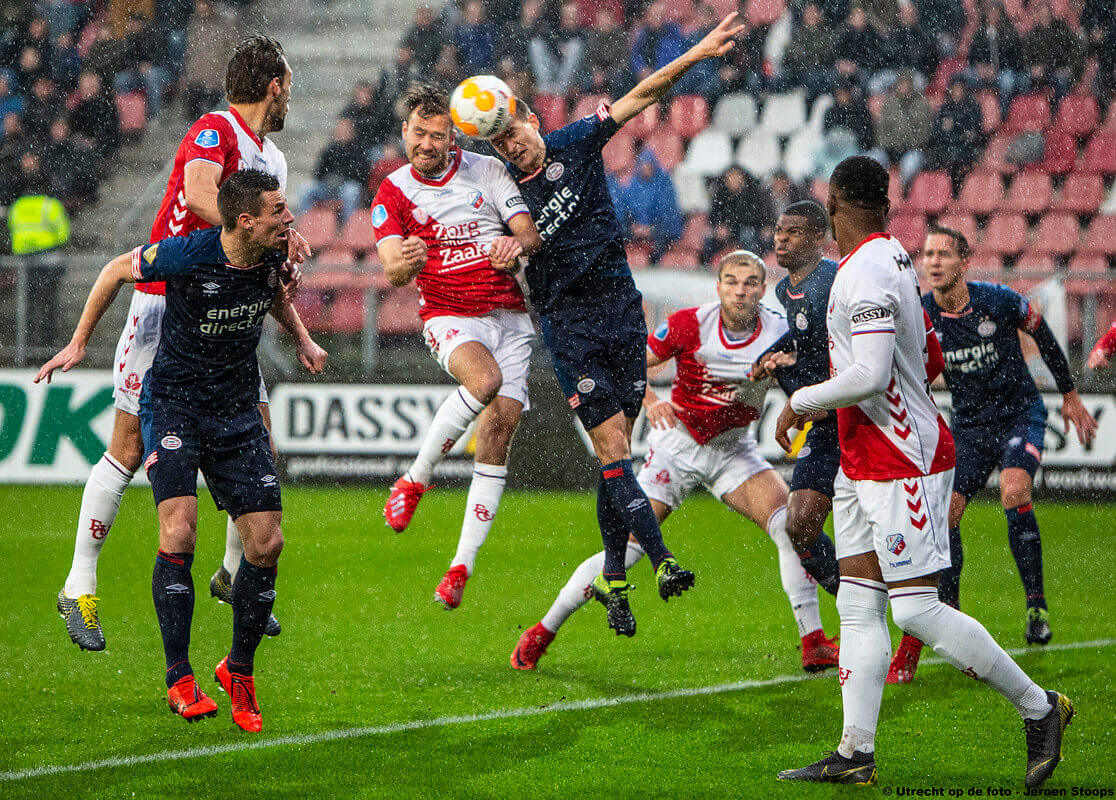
[1030,193]
[688,115]
[639,255]
[985,267]
[758,153]
[817,113]
[1035,263]
[763,12]
[995,155]
[679,257]
[989,111]
[132,109]
[895,192]
[1100,153]
[694,232]
[399,311]
[946,70]
[1099,236]
[644,123]
[724,7]
[965,224]
[619,154]
[930,193]
[981,193]
[690,188]
[358,234]
[800,158]
[1082,193]
[709,153]
[1088,265]
[783,114]
[551,111]
[1060,153]
[1078,114]
[337,255]
[735,114]
[1005,234]
[319,227]
[587,104]
[1028,111]
[910,230]
[667,148]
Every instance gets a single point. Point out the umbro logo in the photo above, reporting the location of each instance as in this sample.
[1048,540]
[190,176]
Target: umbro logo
[639,502]
[177,588]
[210,287]
[268,596]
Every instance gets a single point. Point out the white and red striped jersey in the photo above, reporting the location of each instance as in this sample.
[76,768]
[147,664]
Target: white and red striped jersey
[458,216]
[712,392]
[898,433]
[223,138]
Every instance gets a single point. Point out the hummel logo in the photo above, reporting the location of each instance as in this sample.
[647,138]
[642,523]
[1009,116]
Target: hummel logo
[268,596]
[177,588]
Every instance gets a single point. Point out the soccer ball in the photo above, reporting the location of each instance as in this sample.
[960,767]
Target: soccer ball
[482,106]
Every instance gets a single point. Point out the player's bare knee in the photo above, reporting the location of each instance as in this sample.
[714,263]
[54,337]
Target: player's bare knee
[486,386]
[610,443]
[264,549]
[803,527]
[177,535]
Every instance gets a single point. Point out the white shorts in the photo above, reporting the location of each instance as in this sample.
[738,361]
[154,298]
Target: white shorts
[506,334]
[904,521]
[676,464]
[136,350]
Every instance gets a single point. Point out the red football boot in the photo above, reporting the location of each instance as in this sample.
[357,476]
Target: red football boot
[818,652]
[402,502]
[242,690]
[452,587]
[905,660]
[531,647]
[188,701]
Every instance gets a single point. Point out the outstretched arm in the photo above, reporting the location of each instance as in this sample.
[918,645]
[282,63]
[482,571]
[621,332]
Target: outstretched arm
[651,89]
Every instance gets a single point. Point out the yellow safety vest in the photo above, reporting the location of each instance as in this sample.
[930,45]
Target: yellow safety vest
[36,223]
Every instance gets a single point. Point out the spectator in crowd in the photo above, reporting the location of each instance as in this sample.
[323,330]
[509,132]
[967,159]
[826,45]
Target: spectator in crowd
[38,36]
[944,20]
[1054,53]
[648,206]
[518,80]
[424,39]
[851,113]
[366,111]
[808,59]
[658,42]
[785,192]
[42,107]
[910,47]
[740,215]
[743,67]
[1106,67]
[395,79]
[65,17]
[904,127]
[556,58]
[140,67]
[94,118]
[958,135]
[9,102]
[341,173]
[29,68]
[210,40]
[859,51]
[69,167]
[527,26]
[172,23]
[475,40]
[995,53]
[13,143]
[702,78]
[105,55]
[447,72]
[835,11]
[391,158]
[67,63]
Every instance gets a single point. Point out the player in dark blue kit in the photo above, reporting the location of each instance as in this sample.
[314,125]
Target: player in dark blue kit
[198,410]
[591,314]
[999,419]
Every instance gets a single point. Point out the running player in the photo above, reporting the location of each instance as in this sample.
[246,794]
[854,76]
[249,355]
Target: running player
[891,496]
[999,419]
[715,346]
[258,85]
[440,221]
[591,314]
[199,410]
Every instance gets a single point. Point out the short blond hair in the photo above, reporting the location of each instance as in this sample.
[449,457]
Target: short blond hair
[741,257]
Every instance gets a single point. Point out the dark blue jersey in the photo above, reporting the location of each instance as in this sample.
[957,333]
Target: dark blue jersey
[984,365]
[215,311]
[805,305]
[583,252]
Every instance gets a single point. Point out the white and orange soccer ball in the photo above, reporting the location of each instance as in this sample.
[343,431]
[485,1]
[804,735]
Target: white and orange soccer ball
[482,106]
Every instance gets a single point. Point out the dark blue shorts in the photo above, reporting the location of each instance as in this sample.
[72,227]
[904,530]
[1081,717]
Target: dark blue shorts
[231,450]
[818,460]
[1015,444]
[599,351]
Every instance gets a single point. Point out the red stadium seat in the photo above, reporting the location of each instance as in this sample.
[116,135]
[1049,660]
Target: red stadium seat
[639,255]
[358,234]
[689,115]
[981,193]
[965,224]
[667,148]
[1100,236]
[337,255]
[679,257]
[644,123]
[985,267]
[763,12]
[551,111]
[989,111]
[619,154]
[1029,111]
[995,155]
[910,230]
[1060,154]
[1088,265]
[399,311]
[1034,261]
[319,226]
[1030,193]
[1082,193]
[694,232]
[132,108]
[946,70]
[895,191]
[1100,153]
[1005,234]
[930,193]
[587,104]
[1078,114]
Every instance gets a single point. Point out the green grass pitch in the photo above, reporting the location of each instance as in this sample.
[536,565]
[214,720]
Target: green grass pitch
[364,647]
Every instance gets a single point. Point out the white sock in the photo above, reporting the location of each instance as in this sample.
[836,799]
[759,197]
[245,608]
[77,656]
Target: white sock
[485,492]
[104,489]
[455,414]
[865,655]
[234,549]
[801,589]
[576,592]
[964,642]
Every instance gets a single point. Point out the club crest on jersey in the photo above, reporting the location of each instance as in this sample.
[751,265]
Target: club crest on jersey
[379,215]
[801,322]
[896,543]
[273,279]
[554,171]
[171,442]
[476,200]
[986,327]
[420,215]
[586,385]
[207,138]
[804,451]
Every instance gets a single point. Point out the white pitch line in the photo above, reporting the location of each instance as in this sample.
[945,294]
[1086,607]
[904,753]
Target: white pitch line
[437,722]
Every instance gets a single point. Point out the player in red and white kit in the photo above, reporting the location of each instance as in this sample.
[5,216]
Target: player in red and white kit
[441,221]
[258,84]
[701,436]
[892,492]
[1103,350]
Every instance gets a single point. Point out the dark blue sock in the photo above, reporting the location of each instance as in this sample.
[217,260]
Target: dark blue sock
[820,562]
[632,505]
[253,595]
[949,579]
[614,534]
[172,588]
[1026,547]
